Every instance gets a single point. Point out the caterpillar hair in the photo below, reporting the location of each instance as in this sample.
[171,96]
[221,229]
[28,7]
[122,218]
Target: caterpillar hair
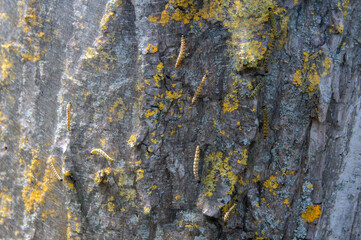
[265,122]
[181,52]
[199,89]
[102,153]
[68,116]
[273,22]
[195,164]
[270,46]
[226,216]
[55,172]
[257,88]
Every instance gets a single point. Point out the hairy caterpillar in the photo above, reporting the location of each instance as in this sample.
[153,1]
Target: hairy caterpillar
[273,22]
[101,152]
[181,51]
[226,216]
[265,122]
[195,164]
[55,172]
[68,116]
[257,88]
[270,46]
[199,89]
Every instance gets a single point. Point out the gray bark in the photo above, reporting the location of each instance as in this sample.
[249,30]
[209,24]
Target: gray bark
[128,99]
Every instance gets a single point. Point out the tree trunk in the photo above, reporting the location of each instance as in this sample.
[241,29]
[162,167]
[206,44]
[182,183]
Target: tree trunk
[277,122]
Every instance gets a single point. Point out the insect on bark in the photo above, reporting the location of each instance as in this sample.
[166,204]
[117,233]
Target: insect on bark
[195,163]
[199,89]
[181,52]
[68,116]
[102,153]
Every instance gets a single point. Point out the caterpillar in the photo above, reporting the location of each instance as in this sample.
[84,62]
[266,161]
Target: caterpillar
[181,51]
[226,216]
[68,116]
[270,46]
[265,122]
[199,89]
[55,172]
[273,22]
[101,152]
[195,164]
[257,88]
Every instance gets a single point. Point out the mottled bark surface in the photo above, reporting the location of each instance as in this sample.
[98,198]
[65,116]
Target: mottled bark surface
[114,61]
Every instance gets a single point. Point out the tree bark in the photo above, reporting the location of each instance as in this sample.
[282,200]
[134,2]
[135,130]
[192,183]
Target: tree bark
[281,163]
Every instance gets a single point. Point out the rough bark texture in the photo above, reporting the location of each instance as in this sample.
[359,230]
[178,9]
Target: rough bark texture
[114,61]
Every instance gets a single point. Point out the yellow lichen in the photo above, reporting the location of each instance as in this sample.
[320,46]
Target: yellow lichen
[152,188]
[132,140]
[230,102]
[39,183]
[245,20]
[311,213]
[31,18]
[46,213]
[243,161]
[146,210]
[91,53]
[109,13]
[219,165]
[111,204]
[326,65]
[5,206]
[121,112]
[154,140]
[343,6]
[271,183]
[174,95]
[193,225]
[153,19]
[308,78]
[140,174]
[159,76]
[6,65]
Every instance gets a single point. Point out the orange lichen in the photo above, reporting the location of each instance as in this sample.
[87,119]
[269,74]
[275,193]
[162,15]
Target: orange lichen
[311,213]
[151,48]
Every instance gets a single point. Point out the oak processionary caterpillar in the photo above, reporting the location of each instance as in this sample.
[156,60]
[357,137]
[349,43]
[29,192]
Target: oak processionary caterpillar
[101,152]
[195,163]
[54,171]
[273,22]
[181,51]
[226,216]
[270,46]
[199,89]
[257,88]
[271,41]
[68,116]
[265,122]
